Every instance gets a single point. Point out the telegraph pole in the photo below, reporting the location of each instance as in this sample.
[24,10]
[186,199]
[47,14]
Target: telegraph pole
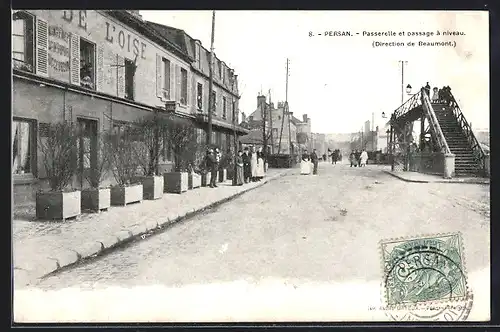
[271,122]
[288,111]
[285,108]
[211,100]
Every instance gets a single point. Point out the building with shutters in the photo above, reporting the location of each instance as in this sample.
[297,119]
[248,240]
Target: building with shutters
[225,114]
[103,69]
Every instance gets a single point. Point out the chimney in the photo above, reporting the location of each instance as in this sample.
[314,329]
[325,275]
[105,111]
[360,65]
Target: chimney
[304,117]
[243,117]
[261,100]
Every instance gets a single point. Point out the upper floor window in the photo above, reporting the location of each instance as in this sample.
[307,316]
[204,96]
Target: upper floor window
[213,104]
[23,41]
[166,79]
[199,96]
[224,111]
[184,83]
[87,64]
[129,79]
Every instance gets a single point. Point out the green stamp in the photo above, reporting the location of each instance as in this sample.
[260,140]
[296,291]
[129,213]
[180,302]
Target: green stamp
[424,270]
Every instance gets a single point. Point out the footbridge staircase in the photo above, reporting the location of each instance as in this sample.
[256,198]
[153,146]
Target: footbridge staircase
[446,144]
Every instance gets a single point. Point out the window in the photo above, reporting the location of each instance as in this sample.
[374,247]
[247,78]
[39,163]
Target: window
[184,81]
[22,41]
[233,112]
[87,64]
[213,104]
[224,112]
[166,79]
[199,97]
[129,79]
[22,143]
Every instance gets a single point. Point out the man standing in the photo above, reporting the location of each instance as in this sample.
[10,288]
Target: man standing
[428,89]
[247,172]
[213,166]
[314,160]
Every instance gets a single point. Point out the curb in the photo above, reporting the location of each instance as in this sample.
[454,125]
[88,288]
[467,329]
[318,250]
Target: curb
[436,181]
[71,257]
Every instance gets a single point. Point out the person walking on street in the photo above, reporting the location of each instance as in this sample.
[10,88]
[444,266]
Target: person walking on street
[363,158]
[253,164]
[352,158]
[428,89]
[213,166]
[239,169]
[314,160]
[247,172]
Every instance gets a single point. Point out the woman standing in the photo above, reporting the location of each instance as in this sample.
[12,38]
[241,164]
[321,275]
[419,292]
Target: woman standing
[363,158]
[239,169]
[253,164]
[260,165]
[305,164]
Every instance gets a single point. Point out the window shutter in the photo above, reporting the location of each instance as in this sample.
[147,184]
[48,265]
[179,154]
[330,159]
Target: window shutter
[178,83]
[100,67]
[159,76]
[42,45]
[121,77]
[172,81]
[75,59]
[189,92]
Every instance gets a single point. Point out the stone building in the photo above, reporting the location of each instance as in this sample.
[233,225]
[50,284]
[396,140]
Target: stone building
[105,69]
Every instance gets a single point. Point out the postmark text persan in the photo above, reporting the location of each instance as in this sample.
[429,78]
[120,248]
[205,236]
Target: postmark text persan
[424,271]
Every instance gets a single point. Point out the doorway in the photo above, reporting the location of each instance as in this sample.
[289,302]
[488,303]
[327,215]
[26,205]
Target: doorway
[87,151]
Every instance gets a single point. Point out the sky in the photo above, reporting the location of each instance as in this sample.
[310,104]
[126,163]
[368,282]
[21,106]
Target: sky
[340,81]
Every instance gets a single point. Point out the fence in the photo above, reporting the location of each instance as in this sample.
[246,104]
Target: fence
[427,162]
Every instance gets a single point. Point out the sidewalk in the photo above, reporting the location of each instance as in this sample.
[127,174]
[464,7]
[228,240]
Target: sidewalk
[40,247]
[429,178]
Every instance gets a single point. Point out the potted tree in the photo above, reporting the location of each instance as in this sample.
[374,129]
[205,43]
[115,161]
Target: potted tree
[124,166]
[98,198]
[182,139]
[58,149]
[148,154]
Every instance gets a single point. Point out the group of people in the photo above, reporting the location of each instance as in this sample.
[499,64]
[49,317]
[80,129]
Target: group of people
[336,155]
[307,161]
[358,158]
[439,96]
[251,165]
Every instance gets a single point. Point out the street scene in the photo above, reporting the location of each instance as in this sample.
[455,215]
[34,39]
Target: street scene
[162,174]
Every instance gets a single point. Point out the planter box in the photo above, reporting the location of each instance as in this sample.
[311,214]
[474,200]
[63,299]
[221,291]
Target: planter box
[222,175]
[152,187]
[176,182]
[58,205]
[121,196]
[194,180]
[205,179]
[95,200]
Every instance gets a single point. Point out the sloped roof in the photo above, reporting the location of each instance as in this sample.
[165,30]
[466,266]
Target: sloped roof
[254,137]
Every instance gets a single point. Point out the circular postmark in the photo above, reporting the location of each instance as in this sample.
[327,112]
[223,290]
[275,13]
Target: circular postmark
[424,279]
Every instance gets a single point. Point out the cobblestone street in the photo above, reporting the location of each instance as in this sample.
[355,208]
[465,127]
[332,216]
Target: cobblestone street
[296,231]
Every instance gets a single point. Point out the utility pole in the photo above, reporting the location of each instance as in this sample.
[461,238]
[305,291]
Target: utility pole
[271,122]
[403,62]
[288,111]
[211,100]
[285,107]
[263,112]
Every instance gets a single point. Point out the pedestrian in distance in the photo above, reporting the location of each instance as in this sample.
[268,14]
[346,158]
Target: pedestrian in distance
[253,163]
[305,164]
[247,172]
[314,160]
[352,158]
[239,169]
[363,158]
[428,89]
[213,166]
[324,156]
[435,95]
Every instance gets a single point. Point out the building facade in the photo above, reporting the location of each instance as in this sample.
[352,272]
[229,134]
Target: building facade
[101,69]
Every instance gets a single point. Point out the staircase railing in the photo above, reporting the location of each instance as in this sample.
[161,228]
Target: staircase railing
[434,123]
[408,105]
[477,149]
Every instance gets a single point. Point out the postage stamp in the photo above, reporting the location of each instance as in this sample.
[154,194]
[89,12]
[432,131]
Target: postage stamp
[424,278]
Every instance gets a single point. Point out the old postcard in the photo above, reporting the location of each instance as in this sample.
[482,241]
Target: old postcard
[250,166]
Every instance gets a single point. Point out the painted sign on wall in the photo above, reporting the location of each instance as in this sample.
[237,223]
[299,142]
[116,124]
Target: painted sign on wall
[59,41]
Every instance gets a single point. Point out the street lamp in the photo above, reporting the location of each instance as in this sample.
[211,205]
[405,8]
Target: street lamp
[408,89]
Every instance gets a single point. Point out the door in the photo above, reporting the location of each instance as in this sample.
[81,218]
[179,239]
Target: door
[87,151]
